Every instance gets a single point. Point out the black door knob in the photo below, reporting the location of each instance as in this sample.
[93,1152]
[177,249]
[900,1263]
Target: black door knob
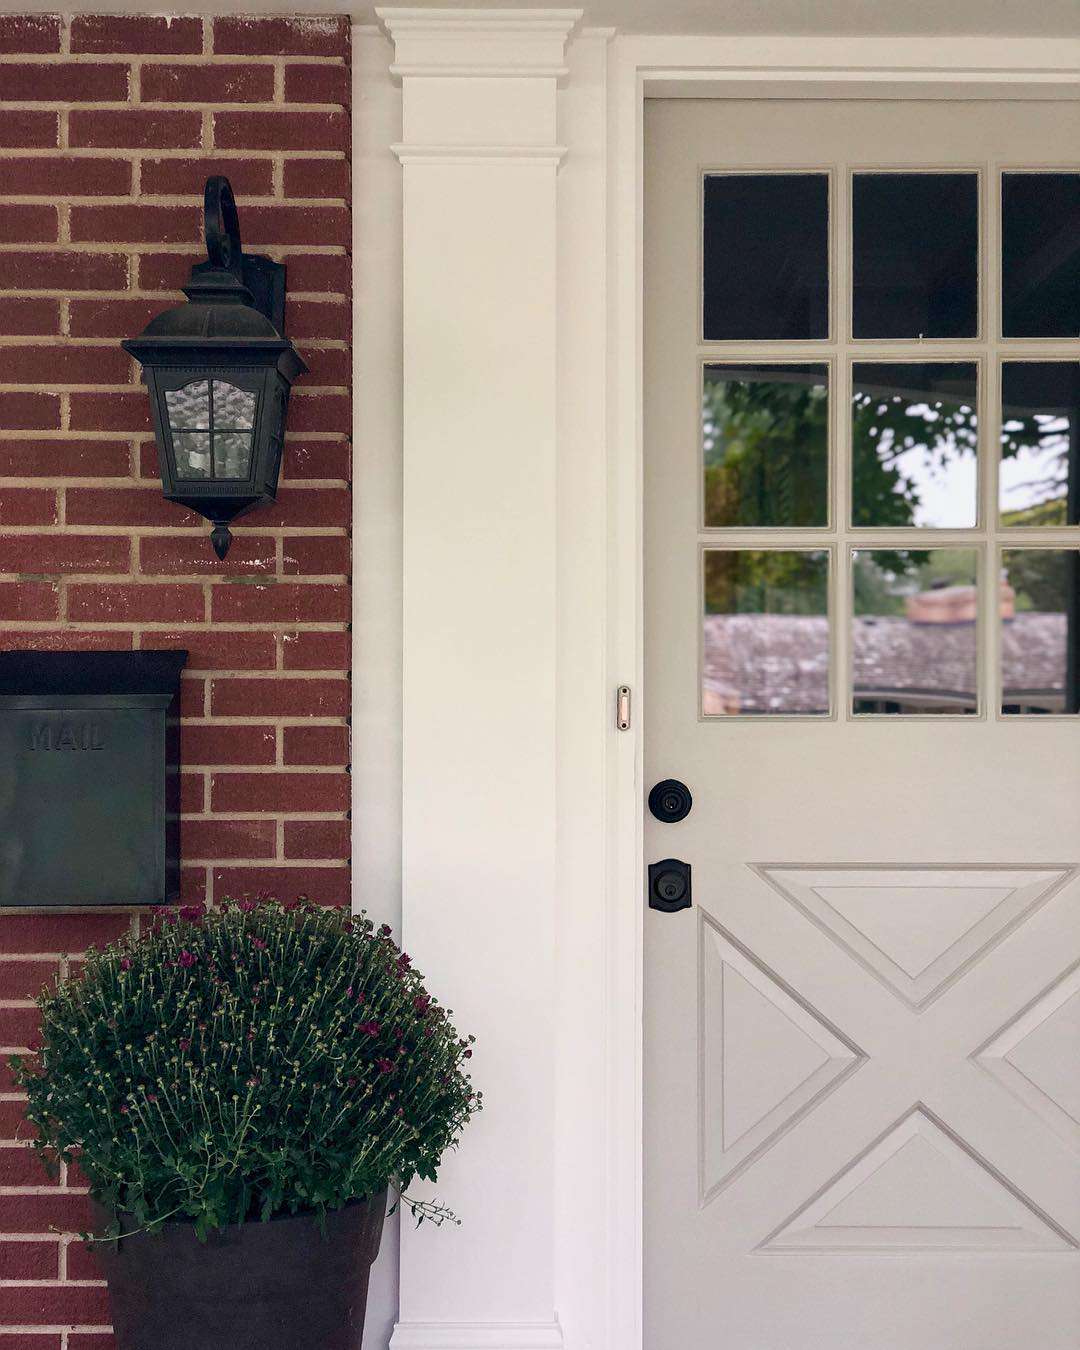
[670,800]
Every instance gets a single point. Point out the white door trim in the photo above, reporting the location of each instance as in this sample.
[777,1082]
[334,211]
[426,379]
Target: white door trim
[591,1220]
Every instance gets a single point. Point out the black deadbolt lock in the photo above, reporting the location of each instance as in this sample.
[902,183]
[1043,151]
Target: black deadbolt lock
[669,885]
[670,800]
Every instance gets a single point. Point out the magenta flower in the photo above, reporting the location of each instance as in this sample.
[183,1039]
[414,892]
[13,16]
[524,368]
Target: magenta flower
[192,913]
[184,1043]
[259,943]
[384,1065]
[422,1002]
[368,1028]
[187,959]
[125,963]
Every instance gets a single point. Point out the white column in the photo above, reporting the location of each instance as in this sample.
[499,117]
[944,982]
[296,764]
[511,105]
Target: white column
[479,158]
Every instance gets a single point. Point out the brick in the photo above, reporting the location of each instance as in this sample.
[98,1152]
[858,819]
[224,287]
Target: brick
[22,1167]
[242,35]
[288,130]
[317,178]
[193,889]
[19,1027]
[63,459]
[316,555]
[135,129]
[216,840]
[128,411]
[321,83]
[28,1261]
[165,271]
[309,507]
[216,744]
[28,224]
[187,177]
[319,272]
[66,176]
[31,1340]
[135,604]
[29,129]
[65,363]
[170,555]
[13,1124]
[322,319]
[306,460]
[192,792]
[48,1304]
[27,506]
[23,979]
[279,697]
[296,792]
[297,225]
[29,33]
[125,506]
[316,651]
[28,316]
[317,745]
[86,1340]
[62,933]
[280,603]
[64,270]
[327,365]
[29,600]
[58,553]
[210,84]
[110,318]
[58,640]
[323,885]
[135,224]
[310,411]
[313,839]
[218,649]
[192,697]
[82,1264]
[137,36]
[64,82]
[21,411]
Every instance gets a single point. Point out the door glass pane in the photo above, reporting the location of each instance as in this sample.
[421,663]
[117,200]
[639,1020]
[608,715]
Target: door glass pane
[915,251]
[914,437]
[765,433]
[1039,479]
[1040,254]
[1040,613]
[766,256]
[766,632]
[914,631]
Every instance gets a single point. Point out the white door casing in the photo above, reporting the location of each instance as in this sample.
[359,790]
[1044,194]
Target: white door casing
[859,1118]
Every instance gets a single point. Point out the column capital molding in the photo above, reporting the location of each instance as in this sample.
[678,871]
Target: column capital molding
[477,43]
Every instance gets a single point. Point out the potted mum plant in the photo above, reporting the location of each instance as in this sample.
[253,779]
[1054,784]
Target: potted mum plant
[241,1086]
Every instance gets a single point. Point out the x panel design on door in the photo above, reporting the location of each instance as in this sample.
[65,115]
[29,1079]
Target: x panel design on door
[862,540]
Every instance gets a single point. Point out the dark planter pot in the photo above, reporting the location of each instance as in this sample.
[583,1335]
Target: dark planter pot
[279,1285]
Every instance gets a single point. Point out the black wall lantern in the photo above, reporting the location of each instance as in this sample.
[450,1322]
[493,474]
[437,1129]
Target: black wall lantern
[219,370]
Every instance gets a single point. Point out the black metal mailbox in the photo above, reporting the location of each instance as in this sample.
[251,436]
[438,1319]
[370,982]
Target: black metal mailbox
[90,777]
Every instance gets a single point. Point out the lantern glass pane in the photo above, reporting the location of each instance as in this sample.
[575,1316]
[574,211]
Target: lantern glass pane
[192,451]
[189,407]
[232,454]
[234,409]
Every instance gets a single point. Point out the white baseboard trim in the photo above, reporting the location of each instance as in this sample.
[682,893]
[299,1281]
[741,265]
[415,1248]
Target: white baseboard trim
[477,1336]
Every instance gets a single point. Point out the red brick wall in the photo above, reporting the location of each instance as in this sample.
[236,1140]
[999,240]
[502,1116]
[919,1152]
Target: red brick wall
[108,129]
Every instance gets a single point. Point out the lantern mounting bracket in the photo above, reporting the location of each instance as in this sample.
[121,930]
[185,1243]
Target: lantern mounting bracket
[263,278]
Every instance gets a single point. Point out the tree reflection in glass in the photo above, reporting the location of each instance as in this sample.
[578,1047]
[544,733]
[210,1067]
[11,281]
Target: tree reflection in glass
[1039,479]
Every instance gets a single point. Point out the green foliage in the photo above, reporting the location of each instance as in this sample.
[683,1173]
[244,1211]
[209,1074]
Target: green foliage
[237,1063]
